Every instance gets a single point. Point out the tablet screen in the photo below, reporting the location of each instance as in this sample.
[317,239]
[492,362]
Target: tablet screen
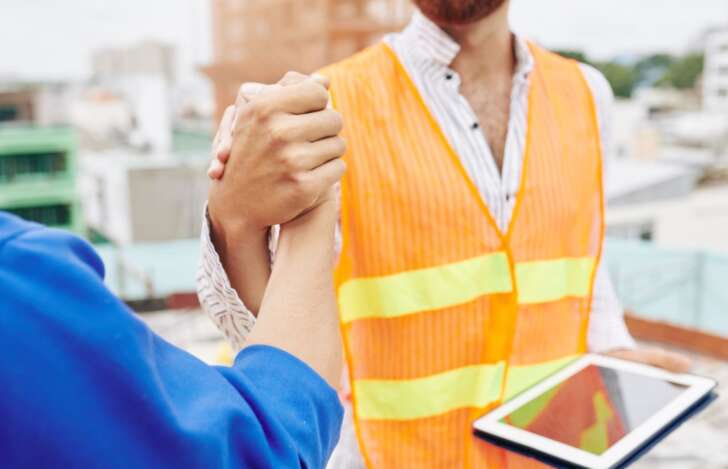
[595,408]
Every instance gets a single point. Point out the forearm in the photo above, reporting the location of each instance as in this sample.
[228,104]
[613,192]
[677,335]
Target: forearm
[245,257]
[298,312]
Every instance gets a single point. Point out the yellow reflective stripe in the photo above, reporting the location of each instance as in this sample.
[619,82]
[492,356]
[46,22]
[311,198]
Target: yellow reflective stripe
[414,291]
[522,377]
[472,386]
[544,281]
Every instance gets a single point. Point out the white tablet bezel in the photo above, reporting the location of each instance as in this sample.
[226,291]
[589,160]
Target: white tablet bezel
[697,388]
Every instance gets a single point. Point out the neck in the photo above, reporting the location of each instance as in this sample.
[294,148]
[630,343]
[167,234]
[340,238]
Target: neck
[486,45]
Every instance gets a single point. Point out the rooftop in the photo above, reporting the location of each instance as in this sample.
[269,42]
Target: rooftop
[698,444]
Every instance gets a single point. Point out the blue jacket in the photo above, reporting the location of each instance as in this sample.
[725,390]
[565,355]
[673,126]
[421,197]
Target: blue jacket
[85,384]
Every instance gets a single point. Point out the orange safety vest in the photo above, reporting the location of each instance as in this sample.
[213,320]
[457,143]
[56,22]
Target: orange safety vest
[444,316]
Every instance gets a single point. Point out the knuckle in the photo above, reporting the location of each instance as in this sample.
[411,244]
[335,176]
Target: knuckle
[300,185]
[316,94]
[281,132]
[289,163]
[261,110]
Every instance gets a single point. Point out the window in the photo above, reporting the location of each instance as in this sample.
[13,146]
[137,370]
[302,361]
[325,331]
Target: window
[8,113]
[31,164]
[51,215]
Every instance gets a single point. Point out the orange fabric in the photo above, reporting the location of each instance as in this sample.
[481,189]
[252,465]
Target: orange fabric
[408,204]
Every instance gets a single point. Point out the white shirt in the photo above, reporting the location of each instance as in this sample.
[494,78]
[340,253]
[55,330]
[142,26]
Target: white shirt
[426,53]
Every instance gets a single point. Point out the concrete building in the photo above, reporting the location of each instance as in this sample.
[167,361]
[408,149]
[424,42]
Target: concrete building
[259,40]
[132,198]
[144,58]
[141,74]
[715,80]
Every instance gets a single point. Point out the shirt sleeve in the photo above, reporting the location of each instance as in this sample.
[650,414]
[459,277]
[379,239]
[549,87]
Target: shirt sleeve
[218,298]
[607,330]
[86,384]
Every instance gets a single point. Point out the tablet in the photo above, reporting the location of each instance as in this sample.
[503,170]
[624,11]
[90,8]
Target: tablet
[596,412]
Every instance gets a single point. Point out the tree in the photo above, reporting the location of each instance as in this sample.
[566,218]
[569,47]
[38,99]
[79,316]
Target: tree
[684,72]
[577,55]
[623,78]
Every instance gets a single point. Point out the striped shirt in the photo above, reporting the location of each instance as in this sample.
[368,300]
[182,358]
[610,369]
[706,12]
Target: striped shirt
[426,53]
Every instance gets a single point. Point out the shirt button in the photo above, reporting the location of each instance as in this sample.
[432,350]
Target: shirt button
[475,126]
[448,76]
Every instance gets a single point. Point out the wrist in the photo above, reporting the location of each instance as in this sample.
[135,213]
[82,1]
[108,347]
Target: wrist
[313,229]
[234,232]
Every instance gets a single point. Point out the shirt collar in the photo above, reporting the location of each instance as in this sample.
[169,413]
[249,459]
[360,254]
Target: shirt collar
[430,43]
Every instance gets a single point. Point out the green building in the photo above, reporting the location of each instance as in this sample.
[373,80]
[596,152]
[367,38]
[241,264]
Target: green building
[38,175]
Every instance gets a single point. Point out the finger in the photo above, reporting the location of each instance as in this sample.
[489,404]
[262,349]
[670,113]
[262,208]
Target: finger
[248,91]
[221,150]
[300,98]
[321,80]
[312,126]
[328,174]
[223,121]
[291,78]
[216,169]
[312,155]
[672,361]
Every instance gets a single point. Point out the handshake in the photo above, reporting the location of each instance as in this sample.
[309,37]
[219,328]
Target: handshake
[277,161]
[276,155]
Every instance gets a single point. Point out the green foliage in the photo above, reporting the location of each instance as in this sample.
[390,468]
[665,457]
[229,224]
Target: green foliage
[660,69]
[684,72]
[622,78]
[577,55]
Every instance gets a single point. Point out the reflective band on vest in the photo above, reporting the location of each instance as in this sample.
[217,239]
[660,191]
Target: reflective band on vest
[424,289]
[453,284]
[543,281]
[472,386]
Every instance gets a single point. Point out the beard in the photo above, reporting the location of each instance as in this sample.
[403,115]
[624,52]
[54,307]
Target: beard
[457,12]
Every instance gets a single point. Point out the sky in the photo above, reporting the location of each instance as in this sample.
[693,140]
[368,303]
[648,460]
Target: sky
[52,39]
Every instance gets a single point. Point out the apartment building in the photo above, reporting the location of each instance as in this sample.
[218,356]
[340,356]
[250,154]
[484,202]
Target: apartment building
[259,40]
[715,81]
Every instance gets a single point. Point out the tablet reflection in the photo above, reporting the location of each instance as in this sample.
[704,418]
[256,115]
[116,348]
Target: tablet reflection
[595,408]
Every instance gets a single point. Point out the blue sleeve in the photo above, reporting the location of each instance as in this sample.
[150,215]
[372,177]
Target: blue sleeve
[86,384]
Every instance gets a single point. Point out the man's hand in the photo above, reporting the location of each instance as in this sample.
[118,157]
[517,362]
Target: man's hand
[280,150]
[284,154]
[660,358]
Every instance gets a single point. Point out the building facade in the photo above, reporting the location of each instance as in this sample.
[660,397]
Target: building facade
[260,40]
[132,198]
[715,81]
[38,175]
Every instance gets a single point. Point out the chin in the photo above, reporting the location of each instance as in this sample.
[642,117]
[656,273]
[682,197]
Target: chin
[458,12]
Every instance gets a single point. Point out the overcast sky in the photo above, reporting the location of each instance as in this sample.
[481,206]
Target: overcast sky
[51,39]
